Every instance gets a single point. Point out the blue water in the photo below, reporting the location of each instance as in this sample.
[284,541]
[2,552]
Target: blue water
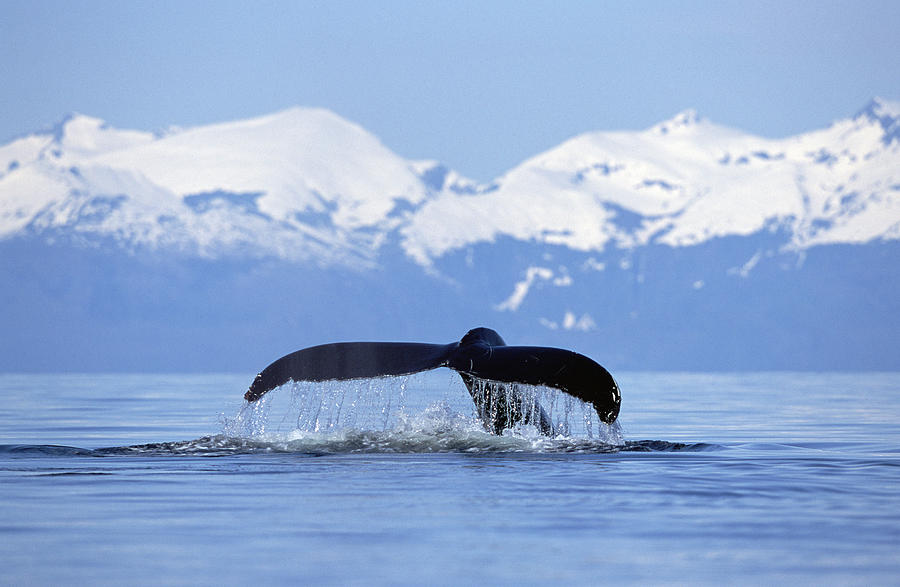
[708,479]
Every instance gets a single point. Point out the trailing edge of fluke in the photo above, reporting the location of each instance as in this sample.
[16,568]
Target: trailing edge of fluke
[481,355]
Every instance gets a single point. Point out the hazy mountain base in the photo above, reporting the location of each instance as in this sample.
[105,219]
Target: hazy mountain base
[729,304]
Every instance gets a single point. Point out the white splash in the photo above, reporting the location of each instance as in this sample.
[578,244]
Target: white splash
[409,414]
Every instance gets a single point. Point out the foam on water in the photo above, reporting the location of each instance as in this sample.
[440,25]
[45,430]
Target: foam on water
[358,442]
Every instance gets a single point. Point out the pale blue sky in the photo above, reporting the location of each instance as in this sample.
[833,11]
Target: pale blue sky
[478,85]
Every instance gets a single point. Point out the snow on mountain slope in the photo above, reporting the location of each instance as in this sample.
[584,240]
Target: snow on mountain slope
[305,184]
[22,151]
[302,160]
[299,184]
[76,137]
[683,182]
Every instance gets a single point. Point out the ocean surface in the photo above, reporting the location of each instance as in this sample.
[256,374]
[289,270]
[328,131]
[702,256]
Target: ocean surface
[760,478]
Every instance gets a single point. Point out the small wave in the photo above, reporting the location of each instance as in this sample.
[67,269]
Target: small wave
[49,450]
[372,442]
[361,442]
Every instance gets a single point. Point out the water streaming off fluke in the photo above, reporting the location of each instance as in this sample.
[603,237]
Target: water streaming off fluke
[412,414]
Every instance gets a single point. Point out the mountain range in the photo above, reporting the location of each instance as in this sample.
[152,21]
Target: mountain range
[688,245]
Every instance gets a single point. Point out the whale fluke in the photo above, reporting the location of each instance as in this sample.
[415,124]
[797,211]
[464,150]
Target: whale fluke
[481,355]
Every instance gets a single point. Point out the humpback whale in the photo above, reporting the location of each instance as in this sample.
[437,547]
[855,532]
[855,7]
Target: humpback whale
[489,368]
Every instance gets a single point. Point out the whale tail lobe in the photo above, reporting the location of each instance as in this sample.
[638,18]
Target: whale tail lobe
[349,360]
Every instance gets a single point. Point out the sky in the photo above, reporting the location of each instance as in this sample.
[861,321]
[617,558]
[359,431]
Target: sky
[480,86]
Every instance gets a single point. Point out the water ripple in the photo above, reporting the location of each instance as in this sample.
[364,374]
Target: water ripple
[354,442]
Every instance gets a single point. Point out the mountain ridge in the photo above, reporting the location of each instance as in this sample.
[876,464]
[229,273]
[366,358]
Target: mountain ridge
[686,245]
[311,179]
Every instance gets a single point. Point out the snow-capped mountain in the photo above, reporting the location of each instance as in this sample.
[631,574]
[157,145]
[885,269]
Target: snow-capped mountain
[685,245]
[301,184]
[683,182]
[304,184]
